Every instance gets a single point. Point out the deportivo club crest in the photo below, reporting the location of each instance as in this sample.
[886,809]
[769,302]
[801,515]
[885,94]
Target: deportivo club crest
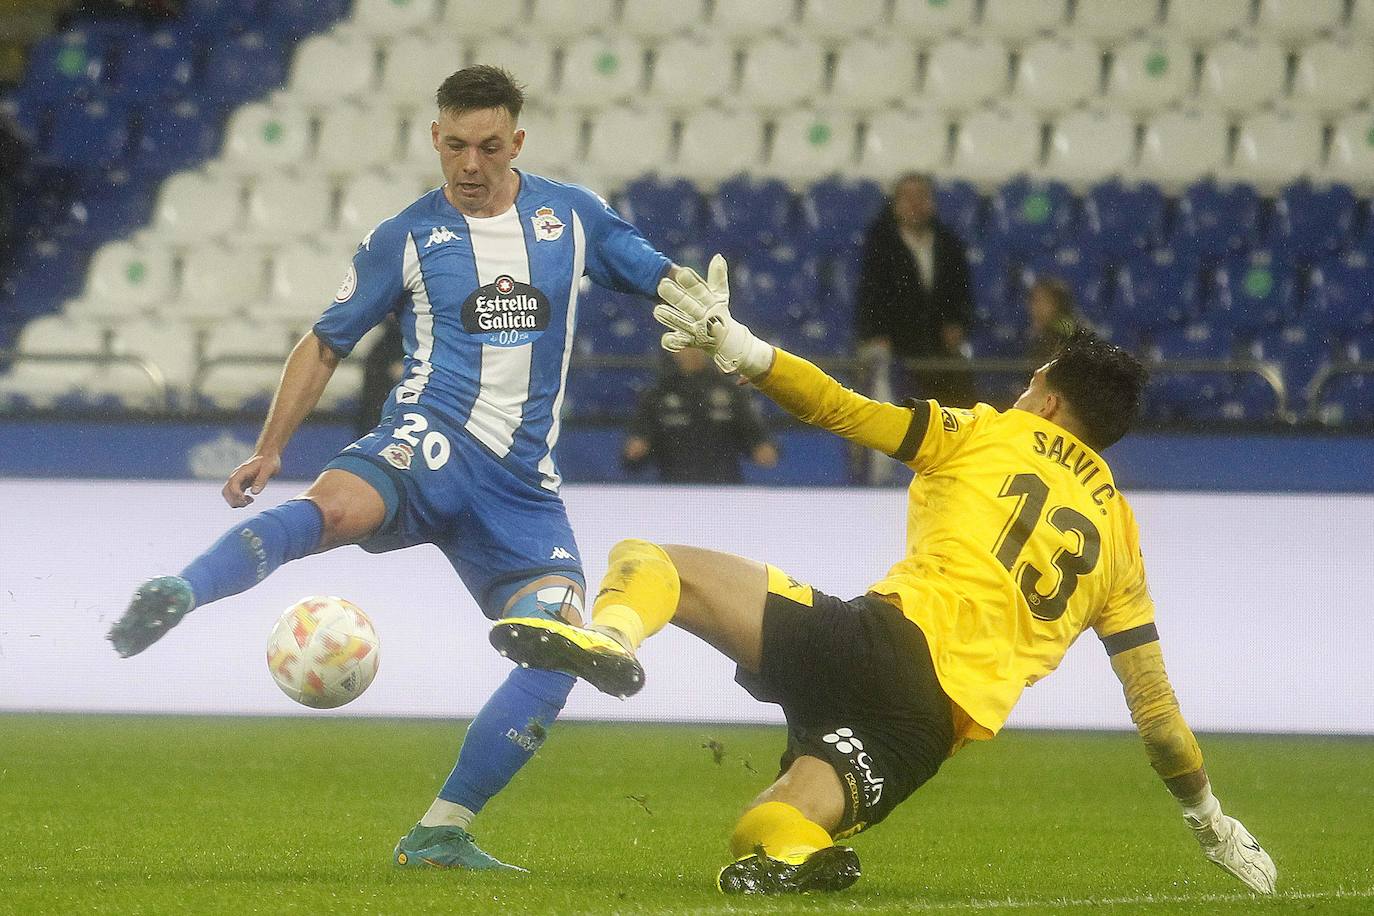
[547,228]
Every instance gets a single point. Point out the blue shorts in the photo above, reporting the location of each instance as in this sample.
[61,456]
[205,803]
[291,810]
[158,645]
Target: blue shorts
[442,487]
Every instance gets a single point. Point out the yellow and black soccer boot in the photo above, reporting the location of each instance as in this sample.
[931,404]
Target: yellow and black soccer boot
[537,642]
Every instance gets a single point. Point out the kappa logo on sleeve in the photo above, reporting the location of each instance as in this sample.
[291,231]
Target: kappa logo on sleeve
[547,227]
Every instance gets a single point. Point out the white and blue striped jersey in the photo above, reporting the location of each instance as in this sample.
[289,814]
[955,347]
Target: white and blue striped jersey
[488,307]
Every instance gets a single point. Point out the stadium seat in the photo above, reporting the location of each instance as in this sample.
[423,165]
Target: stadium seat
[962,74]
[1351,157]
[626,143]
[304,279]
[243,338]
[109,203]
[169,345]
[688,74]
[368,199]
[39,385]
[808,146]
[1200,24]
[1275,147]
[283,206]
[553,145]
[1121,220]
[1188,396]
[924,23]
[196,204]
[265,138]
[125,279]
[1197,340]
[902,140]
[669,212]
[61,335]
[292,20]
[1341,297]
[960,205]
[838,211]
[1055,74]
[1332,77]
[995,144]
[1083,269]
[217,281]
[353,138]
[1299,351]
[1014,21]
[991,272]
[837,21]
[218,17]
[327,69]
[748,214]
[415,66]
[744,22]
[1149,74]
[563,19]
[599,72]
[388,18]
[535,55]
[853,84]
[157,66]
[658,20]
[86,134]
[481,17]
[1310,222]
[1090,146]
[1157,288]
[780,73]
[782,289]
[1032,215]
[1109,21]
[233,386]
[1347,399]
[610,324]
[1254,291]
[1251,398]
[1178,147]
[704,158]
[241,70]
[66,66]
[1242,74]
[1362,18]
[177,135]
[1213,219]
[1296,21]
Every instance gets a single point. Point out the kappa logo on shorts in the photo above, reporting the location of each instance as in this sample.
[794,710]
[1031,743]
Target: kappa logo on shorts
[398,455]
[560,553]
[547,227]
[848,744]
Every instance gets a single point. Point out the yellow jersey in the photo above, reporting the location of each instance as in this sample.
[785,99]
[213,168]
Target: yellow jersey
[1017,538]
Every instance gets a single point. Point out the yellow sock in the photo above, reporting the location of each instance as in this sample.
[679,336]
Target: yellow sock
[639,593]
[782,831]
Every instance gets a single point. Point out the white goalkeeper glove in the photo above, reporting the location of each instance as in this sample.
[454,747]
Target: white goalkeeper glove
[1225,841]
[697,314]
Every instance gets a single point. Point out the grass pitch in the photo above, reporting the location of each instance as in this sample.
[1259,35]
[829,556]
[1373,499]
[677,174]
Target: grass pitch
[150,815]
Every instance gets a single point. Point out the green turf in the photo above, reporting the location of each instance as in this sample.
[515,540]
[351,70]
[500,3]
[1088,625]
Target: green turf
[143,815]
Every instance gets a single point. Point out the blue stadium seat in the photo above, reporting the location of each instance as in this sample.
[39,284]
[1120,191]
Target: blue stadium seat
[1346,399]
[780,288]
[990,270]
[1120,220]
[667,211]
[615,391]
[111,203]
[960,207]
[294,19]
[218,17]
[1032,215]
[747,213]
[806,457]
[997,341]
[1193,341]
[1341,293]
[816,335]
[1083,269]
[838,212]
[46,273]
[1299,351]
[67,66]
[1215,220]
[1360,347]
[1254,291]
[1157,289]
[89,134]
[175,136]
[613,324]
[241,69]
[157,66]
[1188,397]
[1250,399]
[1310,222]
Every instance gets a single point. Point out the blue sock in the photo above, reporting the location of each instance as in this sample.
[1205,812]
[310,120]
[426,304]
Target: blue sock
[247,553]
[505,735]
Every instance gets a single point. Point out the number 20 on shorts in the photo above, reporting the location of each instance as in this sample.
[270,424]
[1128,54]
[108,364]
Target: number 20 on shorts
[434,447]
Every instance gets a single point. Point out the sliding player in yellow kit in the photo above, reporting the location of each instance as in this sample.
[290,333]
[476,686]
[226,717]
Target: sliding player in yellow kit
[1017,542]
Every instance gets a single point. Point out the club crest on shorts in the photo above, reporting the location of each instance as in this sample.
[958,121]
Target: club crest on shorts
[398,455]
[547,227]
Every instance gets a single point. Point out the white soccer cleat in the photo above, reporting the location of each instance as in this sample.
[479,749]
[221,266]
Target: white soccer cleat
[1225,841]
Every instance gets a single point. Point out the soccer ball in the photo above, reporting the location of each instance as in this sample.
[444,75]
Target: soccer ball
[323,652]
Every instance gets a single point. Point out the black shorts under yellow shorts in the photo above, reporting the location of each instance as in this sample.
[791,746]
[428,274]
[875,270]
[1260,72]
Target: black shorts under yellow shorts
[856,683]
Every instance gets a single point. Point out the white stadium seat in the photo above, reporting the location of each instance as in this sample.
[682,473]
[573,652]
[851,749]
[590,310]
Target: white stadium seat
[925,22]
[59,334]
[370,198]
[1016,21]
[344,386]
[1090,146]
[1362,19]
[716,145]
[352,138]
[808,146]
[901,141]
[995,144]
[126,383]
[480,17]
[1149,74]
[415,66]
[283,206]
[304,280]
[233,386]
[1333,76]
[326,69]
[779,73]
[217,281]
[531,58]
[626,144]
[41,384]
[1352,151]
[1201,22]
[598,72]
[1242,74]
[1109,21]
[199,204]
[1056,74]
[1274,148]
[1298,21]
[872,74]
[125,278]
[562,19]
[688,74]
[834,21]
[658,20]
[553,142]
[265,138]
[387,18]
[171,346]
[963,74]
[1181,146]
[743,22]
[246,338]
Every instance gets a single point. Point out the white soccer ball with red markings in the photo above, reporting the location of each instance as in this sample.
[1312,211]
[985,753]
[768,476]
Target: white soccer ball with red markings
[323,652]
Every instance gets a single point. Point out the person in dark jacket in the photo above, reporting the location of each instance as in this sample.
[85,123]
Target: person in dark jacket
[915,296]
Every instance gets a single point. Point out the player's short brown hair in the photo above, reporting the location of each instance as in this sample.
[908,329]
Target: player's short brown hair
[1102,383]
[481,86]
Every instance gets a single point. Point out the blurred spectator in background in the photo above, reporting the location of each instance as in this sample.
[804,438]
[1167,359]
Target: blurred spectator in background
[13,154]
[915,297]
[382,370]
[695,425]
[1049,306]
[147,10]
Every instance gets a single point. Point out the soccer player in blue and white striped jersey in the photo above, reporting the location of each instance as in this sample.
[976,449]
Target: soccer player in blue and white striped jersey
[482,274]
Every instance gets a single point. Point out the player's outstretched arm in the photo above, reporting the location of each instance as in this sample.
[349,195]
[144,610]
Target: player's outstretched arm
[307,372]
[1175,756]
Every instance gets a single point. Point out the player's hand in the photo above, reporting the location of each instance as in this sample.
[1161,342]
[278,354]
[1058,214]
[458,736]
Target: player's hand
[249,478]
[697,314]
[1225,841]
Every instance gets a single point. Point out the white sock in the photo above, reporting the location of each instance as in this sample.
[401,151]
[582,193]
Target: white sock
[447,814]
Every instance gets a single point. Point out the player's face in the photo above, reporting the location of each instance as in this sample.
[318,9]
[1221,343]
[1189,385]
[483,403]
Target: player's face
[475,151]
